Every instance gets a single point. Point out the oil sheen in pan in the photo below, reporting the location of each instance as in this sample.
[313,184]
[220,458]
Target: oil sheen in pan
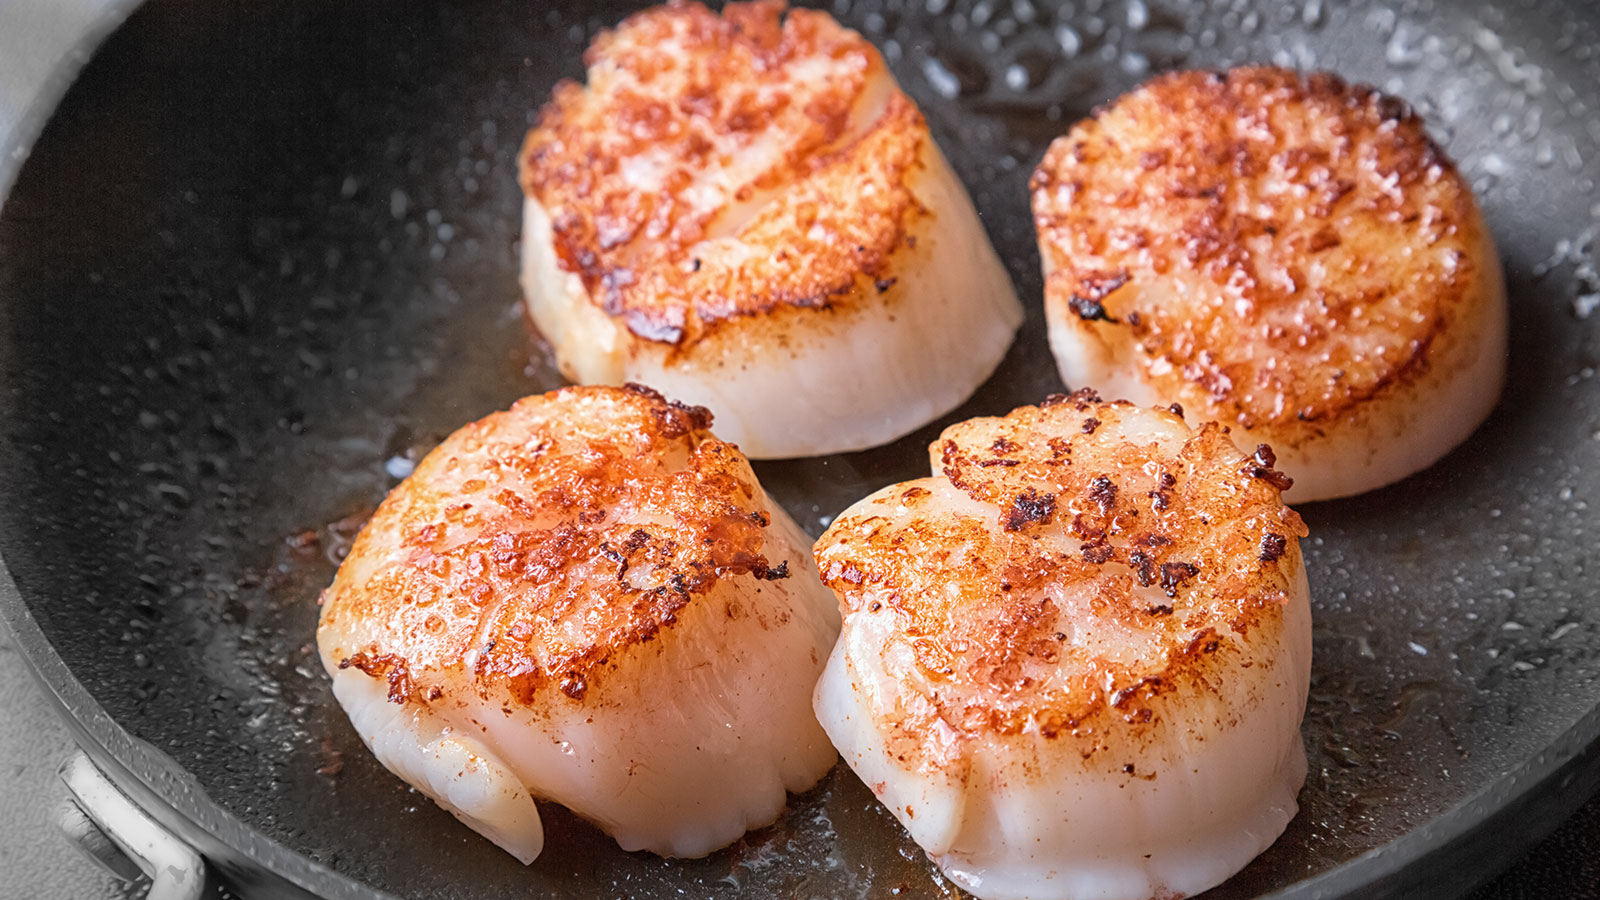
[295,306]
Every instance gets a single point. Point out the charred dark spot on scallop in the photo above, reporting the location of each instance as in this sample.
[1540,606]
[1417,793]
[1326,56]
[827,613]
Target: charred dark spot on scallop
[389,666]
[1144,567]
[1204,641]
[1088,310]
[1093,288]
[678,419]
[1145,685]
[1081,399]
[1273,547]
[574,685]
[1029,508]
[1261,465]
[1098,553]
[1175,574]
[1103,493]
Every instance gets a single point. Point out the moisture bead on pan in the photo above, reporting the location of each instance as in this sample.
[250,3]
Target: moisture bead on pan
[586,599]
[1074,663]
[1285,254]
[745,212]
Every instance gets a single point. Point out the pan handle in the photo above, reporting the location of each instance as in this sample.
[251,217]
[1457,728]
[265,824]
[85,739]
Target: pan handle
[113,831]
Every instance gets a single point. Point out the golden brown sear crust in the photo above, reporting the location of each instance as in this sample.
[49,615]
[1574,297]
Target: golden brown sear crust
[653,175]
[1112,569]
[1278,246]
[540,543]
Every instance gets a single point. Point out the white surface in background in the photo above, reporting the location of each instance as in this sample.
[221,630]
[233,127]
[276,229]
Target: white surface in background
[43,44]
[35,860]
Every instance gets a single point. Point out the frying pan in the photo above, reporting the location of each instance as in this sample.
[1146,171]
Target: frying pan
[263,257]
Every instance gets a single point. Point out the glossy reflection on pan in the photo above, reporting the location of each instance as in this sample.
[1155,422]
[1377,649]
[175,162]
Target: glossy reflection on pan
[264,257]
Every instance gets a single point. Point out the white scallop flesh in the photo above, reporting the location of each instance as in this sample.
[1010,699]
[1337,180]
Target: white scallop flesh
[818,278]
[1044,720]
[1285,254]
[588,600]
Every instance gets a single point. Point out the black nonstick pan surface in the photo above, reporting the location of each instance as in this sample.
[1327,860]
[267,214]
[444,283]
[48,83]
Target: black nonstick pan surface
[263,258]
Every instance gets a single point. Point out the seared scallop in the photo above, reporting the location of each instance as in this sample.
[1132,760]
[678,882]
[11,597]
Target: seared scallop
[1074,661]
[586,599]
[747,213]
[1286,254]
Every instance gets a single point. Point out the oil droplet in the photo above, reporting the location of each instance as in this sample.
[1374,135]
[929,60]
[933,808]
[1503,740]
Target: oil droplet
[1071,42]
[942,80]
[1401,51]
[1138,15]
[1016,77]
